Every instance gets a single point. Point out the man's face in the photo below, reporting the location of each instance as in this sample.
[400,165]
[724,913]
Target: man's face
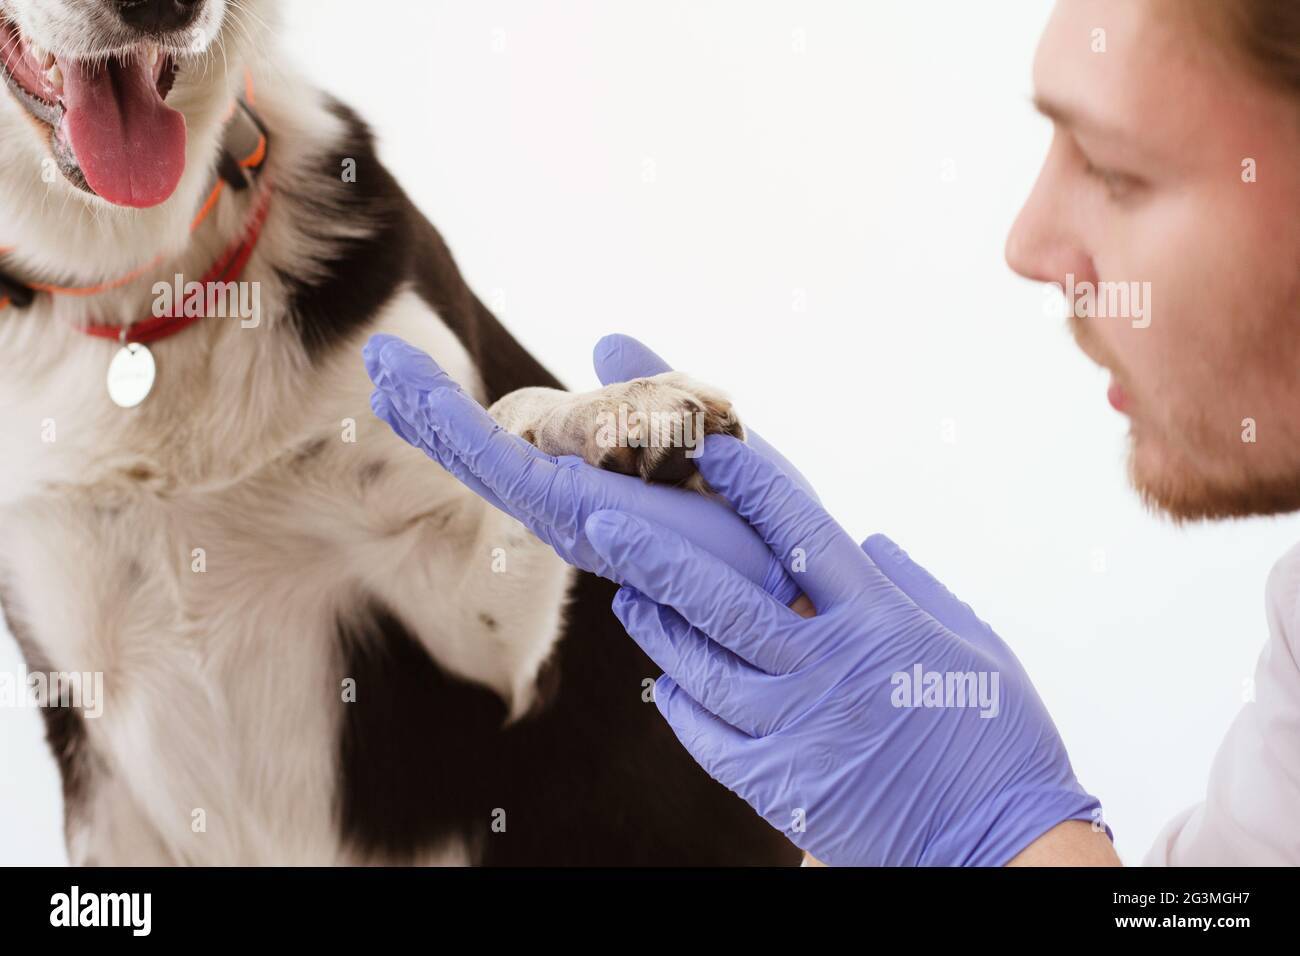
[1157,132]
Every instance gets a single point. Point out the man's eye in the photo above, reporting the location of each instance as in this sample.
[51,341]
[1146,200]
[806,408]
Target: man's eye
[1117,185]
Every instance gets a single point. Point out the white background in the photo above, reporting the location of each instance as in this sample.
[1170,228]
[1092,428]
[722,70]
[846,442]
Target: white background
[759,190]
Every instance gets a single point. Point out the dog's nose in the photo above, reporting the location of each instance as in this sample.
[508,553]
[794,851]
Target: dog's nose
[158,16]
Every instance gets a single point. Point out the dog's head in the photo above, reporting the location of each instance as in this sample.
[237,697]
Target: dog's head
[109,91]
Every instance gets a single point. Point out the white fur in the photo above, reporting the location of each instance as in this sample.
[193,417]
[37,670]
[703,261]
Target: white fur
[98,527]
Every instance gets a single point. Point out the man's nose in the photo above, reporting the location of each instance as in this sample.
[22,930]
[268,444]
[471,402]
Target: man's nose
[1043,255]
[158,16]
[1043,245]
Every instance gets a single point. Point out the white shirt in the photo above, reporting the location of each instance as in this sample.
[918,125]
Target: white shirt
[1251,812]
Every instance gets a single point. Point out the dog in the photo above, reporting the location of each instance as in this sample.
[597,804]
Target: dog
[309,652]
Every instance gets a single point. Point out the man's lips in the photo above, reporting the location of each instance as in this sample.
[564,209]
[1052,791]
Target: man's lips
[1119,399]
[1116,394]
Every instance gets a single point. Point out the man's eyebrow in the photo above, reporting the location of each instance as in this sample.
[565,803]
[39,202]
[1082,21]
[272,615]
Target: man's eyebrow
[1052,110]
[1073,119]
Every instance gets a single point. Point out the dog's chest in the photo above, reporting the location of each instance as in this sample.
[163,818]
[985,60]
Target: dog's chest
[215,672]
[214,617]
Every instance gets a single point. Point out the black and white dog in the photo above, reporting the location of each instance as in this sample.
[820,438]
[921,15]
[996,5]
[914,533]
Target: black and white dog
[307,654]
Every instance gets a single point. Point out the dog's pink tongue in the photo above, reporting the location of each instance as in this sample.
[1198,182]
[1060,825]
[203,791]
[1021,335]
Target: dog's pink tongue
[129,144]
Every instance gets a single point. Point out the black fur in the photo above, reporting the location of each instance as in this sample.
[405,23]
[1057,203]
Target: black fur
[65,728]
[403,246]
[366,272]
[396,798]
[594,776]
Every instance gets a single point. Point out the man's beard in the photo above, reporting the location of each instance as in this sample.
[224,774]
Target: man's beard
[1188,491]
[1202,475]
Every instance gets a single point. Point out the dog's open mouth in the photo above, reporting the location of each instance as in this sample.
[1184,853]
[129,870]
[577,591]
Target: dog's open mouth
[111,130]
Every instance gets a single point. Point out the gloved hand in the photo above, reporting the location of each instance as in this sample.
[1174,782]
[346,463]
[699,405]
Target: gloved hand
[828,726]
[551,496]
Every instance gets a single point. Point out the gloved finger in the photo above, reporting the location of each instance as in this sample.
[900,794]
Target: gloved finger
[382,405]
[711,526]
[619,358]
[716,746]
[514,470]
[370,353]
[405,373]
[931,596]
[795,527]
[404,398]
[383,408]
[404,363]
[711,674]
[703,589]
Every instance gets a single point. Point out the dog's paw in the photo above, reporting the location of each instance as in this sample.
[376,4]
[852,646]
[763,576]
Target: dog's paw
[652,428]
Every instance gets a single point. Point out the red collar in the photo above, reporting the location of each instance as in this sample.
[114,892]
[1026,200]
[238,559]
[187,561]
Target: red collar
[243,157]
[228,268]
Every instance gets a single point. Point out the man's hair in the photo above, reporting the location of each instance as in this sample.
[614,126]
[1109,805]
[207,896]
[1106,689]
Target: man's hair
[1265,34]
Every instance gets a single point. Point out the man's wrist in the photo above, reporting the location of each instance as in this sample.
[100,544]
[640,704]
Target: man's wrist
[1071,843]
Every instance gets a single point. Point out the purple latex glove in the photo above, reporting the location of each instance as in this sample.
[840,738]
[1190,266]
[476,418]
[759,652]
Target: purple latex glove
[826,725]
[551,496]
